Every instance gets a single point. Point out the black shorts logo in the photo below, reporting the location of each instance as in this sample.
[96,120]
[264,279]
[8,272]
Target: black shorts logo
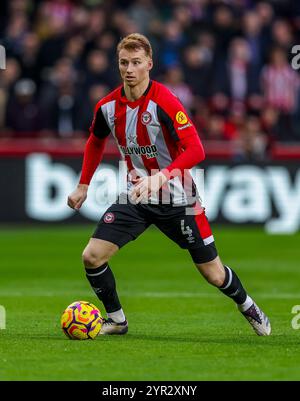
[109,217]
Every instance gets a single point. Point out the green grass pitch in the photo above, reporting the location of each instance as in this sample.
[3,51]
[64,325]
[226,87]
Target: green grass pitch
[180,328]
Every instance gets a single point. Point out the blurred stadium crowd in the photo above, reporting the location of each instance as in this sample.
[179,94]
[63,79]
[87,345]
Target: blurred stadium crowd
[229,62]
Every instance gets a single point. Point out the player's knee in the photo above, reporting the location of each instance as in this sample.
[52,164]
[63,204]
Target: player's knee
[92,259]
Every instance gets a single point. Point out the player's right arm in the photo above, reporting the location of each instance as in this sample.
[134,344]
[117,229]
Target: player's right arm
[93,154]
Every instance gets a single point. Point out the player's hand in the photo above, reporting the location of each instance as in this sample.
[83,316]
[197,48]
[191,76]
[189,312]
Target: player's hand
[146,186]
[77,197]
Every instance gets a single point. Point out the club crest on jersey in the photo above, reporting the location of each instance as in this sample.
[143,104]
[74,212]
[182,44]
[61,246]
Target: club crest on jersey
[146,117]
[109,217]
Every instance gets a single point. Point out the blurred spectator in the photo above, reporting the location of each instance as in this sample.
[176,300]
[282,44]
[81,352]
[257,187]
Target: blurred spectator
[269,121]
[107,42]
[197,9]
[122,24]
[80,18]
[282,34]
[236,78]
[96,24]
[224,28]
[183,15]
[174,82]
[8,77]
[59,10]
[197,70]
[207,43]
[280,85]
[85,108]
[98,70]
[265,13]
[216,127]
[201,115]
[172,42]
[252,32]
[252,144]
[58,99]
[16,29]
[142,12]
[51,48]
[28,56]
[73,50]
[23,114]
[235,122]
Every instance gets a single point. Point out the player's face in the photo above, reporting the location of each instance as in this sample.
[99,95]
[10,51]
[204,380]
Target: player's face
[134,66]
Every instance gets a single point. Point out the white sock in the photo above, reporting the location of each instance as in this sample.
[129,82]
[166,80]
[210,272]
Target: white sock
[117,316]
[246,305]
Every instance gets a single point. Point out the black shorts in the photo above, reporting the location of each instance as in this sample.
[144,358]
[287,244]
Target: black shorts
[122,223]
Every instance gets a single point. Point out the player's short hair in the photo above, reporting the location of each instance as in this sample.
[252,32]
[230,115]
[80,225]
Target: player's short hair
[135,41]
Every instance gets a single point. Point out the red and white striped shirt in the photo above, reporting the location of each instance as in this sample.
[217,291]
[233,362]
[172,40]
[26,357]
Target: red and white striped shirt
[153,133]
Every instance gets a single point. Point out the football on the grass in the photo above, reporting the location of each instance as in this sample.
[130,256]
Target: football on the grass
[81,320]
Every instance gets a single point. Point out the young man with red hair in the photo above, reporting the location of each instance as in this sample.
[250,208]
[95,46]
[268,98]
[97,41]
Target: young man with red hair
[160,144]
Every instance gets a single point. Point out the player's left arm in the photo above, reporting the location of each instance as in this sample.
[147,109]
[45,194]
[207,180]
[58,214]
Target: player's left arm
[184,134]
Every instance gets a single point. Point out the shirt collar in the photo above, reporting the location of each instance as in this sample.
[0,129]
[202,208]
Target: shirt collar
[125,100]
